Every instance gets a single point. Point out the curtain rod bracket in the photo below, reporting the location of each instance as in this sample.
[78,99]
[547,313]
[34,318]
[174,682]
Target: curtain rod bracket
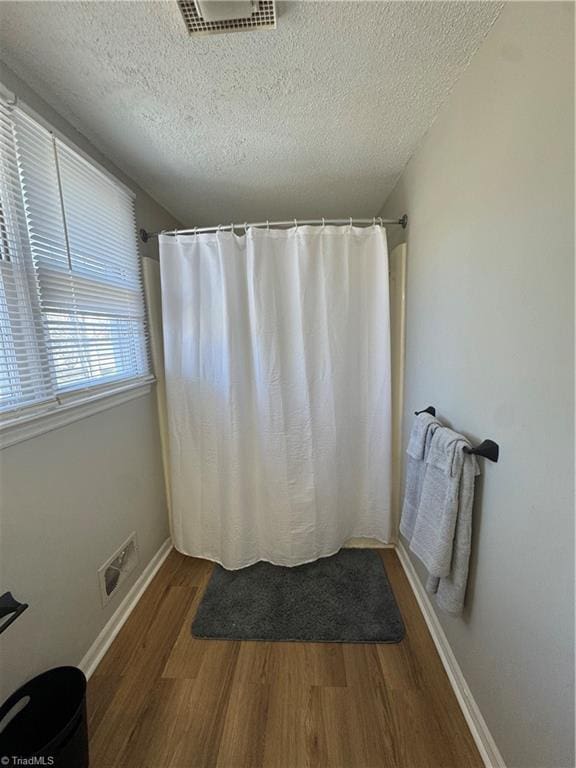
[403,221]
[144,236]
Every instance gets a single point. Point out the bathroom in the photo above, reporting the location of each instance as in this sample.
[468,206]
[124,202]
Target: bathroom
[260,264]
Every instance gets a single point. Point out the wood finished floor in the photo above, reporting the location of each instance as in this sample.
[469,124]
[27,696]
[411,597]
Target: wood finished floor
[163,699]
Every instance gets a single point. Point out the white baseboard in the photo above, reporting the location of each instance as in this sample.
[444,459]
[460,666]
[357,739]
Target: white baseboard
[118,618]
[486,745]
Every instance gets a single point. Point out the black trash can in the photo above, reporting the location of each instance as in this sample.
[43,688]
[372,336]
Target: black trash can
[46,719]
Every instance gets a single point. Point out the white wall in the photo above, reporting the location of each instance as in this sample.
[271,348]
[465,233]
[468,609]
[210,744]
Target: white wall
[489,325]
[70,497]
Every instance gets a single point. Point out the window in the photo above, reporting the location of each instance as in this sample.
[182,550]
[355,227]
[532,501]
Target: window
[71,302]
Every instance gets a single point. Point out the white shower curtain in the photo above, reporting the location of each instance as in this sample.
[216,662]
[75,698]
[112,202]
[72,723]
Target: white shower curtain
[277,357]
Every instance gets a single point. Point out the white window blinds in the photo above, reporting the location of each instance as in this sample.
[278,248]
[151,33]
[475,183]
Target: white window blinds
[24,366]
[71,302]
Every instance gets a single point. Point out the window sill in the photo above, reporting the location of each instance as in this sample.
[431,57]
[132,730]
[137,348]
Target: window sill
[27,426]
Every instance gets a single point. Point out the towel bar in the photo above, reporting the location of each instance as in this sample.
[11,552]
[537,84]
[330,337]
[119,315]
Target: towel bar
[488,449]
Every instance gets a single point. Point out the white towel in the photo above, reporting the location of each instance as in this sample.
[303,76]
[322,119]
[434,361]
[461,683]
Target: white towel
[442,530]
[423,428]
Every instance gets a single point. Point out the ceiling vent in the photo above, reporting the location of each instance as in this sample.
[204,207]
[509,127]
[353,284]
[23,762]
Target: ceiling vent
[209,17]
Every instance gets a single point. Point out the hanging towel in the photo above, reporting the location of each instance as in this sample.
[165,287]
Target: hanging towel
[423,428]
[442,530]
[451,590]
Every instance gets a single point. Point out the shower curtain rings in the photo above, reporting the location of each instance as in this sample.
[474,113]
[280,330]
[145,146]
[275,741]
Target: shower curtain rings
[295,223]
[323,222]
[267,226]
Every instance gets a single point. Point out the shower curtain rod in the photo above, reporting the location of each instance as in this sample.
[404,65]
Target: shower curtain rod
[145,236]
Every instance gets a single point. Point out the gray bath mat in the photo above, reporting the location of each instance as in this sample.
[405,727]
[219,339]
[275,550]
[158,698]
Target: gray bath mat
[345,598]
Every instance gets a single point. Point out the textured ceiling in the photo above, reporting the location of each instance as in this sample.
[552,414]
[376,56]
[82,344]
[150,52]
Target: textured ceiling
[316,118]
